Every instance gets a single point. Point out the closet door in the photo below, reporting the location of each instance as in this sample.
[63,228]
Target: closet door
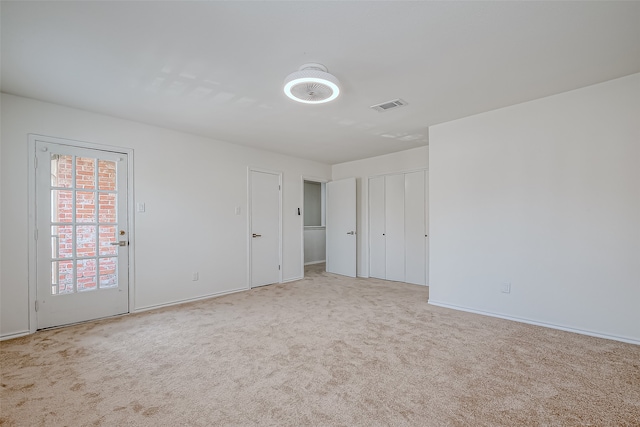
[394,226]
[415,228]
[377,252]
[426,227]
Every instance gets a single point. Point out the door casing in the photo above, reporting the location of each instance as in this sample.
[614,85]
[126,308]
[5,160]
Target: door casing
[31,196]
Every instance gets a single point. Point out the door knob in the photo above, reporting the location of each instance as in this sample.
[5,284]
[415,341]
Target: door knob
[257,235]
[121,243]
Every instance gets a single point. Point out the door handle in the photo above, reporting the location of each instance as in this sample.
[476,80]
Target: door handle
[121,243]
[257,235]
[351,232]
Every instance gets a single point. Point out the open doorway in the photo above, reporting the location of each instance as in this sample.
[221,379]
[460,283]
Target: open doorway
[314,224]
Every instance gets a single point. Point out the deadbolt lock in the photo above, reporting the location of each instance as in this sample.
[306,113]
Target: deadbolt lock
[122,232]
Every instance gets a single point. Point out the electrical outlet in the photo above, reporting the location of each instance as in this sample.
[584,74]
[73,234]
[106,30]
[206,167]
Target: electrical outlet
[506,288]
[195,276]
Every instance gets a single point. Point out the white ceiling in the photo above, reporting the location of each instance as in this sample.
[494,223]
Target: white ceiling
[217,68]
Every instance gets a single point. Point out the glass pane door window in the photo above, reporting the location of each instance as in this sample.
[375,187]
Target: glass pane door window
[84,218]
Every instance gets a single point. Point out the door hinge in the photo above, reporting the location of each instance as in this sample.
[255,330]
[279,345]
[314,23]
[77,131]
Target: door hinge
[35,234]
[278,267]
[279,187]
[37,305]
[35,162]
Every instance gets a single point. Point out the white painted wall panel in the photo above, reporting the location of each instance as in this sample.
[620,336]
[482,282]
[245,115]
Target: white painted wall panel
[545,196]
[312,204]
[315,246]
[191,186]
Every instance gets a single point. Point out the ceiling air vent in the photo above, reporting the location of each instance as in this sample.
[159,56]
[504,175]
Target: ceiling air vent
[389,105]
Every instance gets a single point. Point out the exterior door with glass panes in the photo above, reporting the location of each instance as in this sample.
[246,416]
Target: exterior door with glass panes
[82,234]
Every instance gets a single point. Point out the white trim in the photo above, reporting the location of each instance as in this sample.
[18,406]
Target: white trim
[535,322]
[138,310]
[315,262]
[32,209]
[323,182]
[132,228]
[14,335]
[293,279]
[188,300]
[32,244]
[249,207]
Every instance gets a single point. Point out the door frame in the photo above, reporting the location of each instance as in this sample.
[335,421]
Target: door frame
[304,178]
[31,197]
[249,213]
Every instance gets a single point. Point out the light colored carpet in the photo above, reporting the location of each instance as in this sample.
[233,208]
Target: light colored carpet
[324,351]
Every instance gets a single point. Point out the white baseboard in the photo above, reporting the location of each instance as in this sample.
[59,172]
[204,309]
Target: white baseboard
[184,301]
[535,322]
[293,279]
[315,262]
[14,335]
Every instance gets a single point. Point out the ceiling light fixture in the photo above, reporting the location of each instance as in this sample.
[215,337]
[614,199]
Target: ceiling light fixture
[312,84]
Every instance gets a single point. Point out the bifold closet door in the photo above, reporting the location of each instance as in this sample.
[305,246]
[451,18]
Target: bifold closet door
[415,228]
[377,252]
[394,230]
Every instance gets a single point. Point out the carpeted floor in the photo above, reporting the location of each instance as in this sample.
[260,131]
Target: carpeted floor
[323,351]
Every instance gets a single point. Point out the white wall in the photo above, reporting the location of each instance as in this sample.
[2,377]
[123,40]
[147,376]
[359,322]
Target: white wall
[416,158]
[312,204]
[315,245]
[544,195]
[191,186]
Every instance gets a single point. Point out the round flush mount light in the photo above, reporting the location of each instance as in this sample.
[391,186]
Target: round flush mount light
[312,84]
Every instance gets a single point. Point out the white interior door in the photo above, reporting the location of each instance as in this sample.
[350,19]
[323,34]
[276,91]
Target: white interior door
[394,221]
[341,227]
[82,234]
[426,227]
[415,228]
[377,244]
[265,228]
